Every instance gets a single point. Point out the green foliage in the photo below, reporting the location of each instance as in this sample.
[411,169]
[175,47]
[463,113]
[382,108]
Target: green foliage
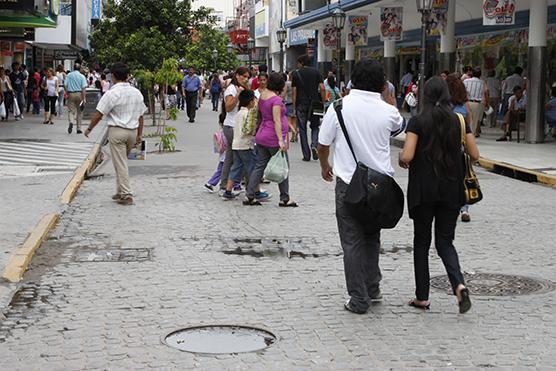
[168,140]
[144,78]
[168,74]
[144,33]
[199,54]
[501,69]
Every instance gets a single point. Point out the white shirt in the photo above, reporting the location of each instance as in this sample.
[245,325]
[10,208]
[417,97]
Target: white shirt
[122,106]
[51,86]
[370,123]
[493,85]
[511,82]
[230,116]
[241,142]
[475,88]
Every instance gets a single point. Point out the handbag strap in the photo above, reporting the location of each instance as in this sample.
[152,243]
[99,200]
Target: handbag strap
[462,128]
[338,109]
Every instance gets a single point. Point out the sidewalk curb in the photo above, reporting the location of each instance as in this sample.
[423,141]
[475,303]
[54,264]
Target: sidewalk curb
[503,168]
[21,257]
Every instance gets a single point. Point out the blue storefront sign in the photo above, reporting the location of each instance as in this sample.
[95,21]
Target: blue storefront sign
[95,14]
[300,37]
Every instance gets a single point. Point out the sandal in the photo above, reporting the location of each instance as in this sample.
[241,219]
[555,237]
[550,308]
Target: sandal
[51,122]
[465,302]
[45,122]
[251,202]
[288,203]
[413,304]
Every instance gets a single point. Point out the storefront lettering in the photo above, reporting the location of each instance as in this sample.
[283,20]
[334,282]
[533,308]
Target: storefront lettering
[493,8]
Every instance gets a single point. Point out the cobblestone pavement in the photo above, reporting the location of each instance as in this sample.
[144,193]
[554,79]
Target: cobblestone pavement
[36,162]
[75,312]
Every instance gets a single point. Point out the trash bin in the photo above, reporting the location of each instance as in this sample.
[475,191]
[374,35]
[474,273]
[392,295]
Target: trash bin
[93,96]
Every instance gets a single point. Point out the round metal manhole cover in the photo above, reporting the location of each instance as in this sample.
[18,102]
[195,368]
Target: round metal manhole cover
[220,339]
[494,284]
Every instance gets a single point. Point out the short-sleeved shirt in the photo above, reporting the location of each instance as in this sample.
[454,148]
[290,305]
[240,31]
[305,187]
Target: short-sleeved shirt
[521,104]
[191,83]
[511,82]
[266,135]
[17,80]
[75,82]
[493,85]
[475,89]
[241,141]
[122,106]
[370,123]
[427,182]
[461,109]
[230,116]
[307,80]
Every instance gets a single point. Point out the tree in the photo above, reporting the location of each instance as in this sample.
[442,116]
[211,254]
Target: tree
[144,33]
[199,54]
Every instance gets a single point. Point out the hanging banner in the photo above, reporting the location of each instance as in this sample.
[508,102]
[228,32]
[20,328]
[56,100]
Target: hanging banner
[330,36]
[498,12]
[391,23]
[95,9]
[438,19]
[239,37]
[358,30]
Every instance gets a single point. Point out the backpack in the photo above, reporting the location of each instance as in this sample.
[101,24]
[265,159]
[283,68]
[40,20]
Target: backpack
[215,87]
[219,141]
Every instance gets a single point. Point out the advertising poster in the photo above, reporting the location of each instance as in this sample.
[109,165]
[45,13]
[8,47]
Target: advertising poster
[261,23]
[391,23]
[329,35]
[498,12]
[438,19]
[358,30]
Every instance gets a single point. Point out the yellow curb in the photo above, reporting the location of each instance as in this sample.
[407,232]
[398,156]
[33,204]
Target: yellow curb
[21,258]
[541,177]
[72,187]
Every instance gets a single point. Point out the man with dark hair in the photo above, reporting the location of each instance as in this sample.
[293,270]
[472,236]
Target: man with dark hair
[371,121]
[75,85]
[123,108]
[477,93]
[191,86]
[308,93]
[17,79]
[508,87]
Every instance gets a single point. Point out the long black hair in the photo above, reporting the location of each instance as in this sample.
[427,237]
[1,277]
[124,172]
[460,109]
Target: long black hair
[442,148]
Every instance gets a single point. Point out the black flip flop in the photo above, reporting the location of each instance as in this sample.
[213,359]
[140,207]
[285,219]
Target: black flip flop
[251,202]
[418,306]
[289,203]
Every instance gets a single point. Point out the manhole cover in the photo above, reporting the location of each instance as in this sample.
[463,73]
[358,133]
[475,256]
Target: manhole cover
[220,339]
[494,284]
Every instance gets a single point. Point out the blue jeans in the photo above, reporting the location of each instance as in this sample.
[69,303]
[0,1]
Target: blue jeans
[303,110]
[263,155]
[244,161]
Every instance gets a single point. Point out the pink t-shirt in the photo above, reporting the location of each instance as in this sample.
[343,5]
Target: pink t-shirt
[266,136]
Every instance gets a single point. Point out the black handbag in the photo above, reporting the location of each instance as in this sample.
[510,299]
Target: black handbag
[374,199]
[472,189]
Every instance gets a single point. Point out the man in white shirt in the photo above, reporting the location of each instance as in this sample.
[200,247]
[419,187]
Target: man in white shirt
[477,93]
[370,136]
[123,108]
[508,87]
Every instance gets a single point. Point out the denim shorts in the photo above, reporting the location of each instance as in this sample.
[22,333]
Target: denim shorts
[244,161]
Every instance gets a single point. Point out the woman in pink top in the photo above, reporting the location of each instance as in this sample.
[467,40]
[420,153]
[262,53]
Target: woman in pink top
[271,137]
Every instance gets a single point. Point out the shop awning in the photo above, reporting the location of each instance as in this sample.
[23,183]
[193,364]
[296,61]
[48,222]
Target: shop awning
[324,12]
[26,21]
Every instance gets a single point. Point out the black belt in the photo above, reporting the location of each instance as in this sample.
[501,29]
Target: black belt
[475,101]
[70,92]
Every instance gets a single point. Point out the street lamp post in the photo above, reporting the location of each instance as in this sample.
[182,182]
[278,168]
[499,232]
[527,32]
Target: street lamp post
[281,36]
[338,20]
[214,57]
[250,47]
[424,7]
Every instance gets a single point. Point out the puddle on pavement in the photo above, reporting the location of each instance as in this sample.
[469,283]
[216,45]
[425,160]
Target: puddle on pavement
[30,303]
[220,339]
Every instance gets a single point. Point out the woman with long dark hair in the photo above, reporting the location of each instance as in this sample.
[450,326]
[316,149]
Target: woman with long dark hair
[433,154]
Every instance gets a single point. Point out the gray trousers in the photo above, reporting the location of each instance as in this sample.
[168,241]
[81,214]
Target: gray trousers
[263,155]
[361,254]
[229,155]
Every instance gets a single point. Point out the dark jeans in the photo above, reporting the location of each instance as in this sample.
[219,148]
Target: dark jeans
[361,254]
[191,98]
[445,220]
[29,99]
[229,157]
[215,98]
[262,156]
[180,101]
[302,110]
[8,103]
[20,96]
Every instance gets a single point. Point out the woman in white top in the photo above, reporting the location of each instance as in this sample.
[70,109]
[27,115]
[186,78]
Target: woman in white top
[6,92]
[61,76]
[51,86]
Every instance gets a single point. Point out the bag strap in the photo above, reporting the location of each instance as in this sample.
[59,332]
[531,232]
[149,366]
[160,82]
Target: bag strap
[462,128]
[338,109]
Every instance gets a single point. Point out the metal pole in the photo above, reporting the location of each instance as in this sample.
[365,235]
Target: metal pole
[281,57]
[338,52]
[250,56]
[421,91]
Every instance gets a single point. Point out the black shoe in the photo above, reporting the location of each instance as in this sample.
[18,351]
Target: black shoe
[191,120]
[306,159]
[70,128]
[350,308]
[315,153]
[502,139]
[465,302]
[79,132]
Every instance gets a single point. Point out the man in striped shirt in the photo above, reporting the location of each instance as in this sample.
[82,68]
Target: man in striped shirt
[477,93]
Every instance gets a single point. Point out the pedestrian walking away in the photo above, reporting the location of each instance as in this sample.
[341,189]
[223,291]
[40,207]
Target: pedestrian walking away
[191,86]
[477,93]
[307,83]
[435,192]
[123,108]
[215,91]
[61,76]
[229,108]
[17,80]
[370,138]
[76,85]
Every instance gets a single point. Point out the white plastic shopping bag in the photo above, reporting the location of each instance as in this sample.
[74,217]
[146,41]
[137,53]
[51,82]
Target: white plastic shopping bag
[277,168]
[17,112]
[2,110]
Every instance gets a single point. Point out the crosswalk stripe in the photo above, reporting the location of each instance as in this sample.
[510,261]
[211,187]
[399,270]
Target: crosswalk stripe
[25,152]
[37,150]
[47,146]
[41,159]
